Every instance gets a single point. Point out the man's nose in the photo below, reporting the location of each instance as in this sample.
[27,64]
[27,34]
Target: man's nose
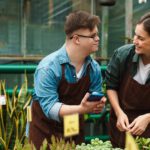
[97,38]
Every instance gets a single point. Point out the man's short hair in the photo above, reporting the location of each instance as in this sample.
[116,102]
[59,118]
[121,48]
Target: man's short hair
[80,20]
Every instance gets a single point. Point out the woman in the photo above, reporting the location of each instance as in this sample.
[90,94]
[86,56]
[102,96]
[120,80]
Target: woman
[128,86]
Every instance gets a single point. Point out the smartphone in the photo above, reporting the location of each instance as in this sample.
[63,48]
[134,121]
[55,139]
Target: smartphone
[95,96]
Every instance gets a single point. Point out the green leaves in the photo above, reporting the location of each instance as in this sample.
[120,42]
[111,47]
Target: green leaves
[22,94]
[143,143]
[60,144]
[13,115]
[25,146]
[96,144]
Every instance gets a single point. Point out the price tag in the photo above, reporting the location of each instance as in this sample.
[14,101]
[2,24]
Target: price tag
[2,100]
[71,125]
[29,115]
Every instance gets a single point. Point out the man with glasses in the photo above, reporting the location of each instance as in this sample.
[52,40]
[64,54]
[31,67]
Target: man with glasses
[64,79]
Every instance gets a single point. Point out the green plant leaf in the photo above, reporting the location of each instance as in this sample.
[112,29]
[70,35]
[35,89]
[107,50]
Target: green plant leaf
[13,117]
[44,145]
[28,102]
[10,136]
[2,128]
[22,94]
[3,142]
[18,145]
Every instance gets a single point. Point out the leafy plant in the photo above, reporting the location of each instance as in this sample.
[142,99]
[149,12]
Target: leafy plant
[56,144]
[60,144]
[143,143]
[13,115]
[96,144]
[25,146]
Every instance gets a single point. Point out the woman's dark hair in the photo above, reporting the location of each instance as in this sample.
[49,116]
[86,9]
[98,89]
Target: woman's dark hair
[145,20]
[80,19]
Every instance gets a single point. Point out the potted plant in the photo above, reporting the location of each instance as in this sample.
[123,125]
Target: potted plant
[13,115]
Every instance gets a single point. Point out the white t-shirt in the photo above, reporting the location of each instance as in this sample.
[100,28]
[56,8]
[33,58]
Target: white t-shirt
[79,74]
[142,72]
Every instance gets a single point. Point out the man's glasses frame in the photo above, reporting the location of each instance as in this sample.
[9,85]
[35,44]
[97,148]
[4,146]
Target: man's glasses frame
[86,36]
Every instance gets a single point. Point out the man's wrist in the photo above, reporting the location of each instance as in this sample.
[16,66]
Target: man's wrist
[81,109]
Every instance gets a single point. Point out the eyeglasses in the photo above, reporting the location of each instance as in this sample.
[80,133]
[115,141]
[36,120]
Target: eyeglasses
[94,36]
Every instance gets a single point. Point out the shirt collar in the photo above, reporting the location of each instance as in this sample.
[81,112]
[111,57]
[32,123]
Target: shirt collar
[64,58]
[135,58]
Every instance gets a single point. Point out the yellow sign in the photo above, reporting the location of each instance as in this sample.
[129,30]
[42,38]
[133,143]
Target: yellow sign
[130,142]
[2,100]
[29,115]
[71,125]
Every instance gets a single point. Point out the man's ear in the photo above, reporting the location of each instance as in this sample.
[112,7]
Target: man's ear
[76,40]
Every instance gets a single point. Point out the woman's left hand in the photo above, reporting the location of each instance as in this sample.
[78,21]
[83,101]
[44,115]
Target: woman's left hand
[139,124]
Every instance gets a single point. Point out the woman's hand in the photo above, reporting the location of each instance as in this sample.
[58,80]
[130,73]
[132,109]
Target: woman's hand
[139,124]
[122,122]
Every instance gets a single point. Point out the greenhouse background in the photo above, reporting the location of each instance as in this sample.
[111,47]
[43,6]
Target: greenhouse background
[32,29]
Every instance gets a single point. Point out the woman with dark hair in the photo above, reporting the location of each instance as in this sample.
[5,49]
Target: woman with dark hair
[128,86]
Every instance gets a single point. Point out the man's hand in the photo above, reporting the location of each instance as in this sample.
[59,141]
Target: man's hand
[92,107]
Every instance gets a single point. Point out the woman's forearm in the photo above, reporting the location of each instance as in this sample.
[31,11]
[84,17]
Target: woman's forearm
[113,98]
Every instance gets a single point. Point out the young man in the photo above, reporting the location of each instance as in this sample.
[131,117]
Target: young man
[64,79]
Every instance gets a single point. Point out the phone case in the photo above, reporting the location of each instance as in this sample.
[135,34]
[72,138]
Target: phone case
[95,97]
